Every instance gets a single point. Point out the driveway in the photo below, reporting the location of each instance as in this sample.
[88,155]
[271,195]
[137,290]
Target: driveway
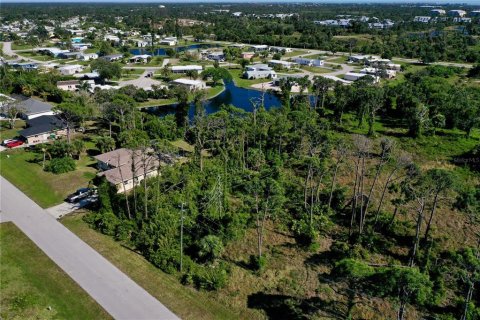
[65,207]
[120,296]
[142,81]
[7,50]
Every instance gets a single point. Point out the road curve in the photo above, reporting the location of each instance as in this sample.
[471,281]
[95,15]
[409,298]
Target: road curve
[119,295]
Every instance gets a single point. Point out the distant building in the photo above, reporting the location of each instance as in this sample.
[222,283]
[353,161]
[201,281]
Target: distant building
[169,41]
[437,12]
[382,73]
[216,56]
[87,56]
[462,20]
[259,47]
[68,55]
[69,85]
[422,19]
[457,13]
[143,58]
[259,71]
[70,69]
[475,13]
[281,64]
[184,69]
[191,85]
[280,49]
[247,55]
[112,57]
[354,76]
[309,62]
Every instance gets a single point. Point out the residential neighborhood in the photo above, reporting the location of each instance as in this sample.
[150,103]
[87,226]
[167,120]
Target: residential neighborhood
[234,160]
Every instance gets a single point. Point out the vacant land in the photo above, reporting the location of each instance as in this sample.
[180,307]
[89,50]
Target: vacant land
[186,302]
[33,287]
[24,170]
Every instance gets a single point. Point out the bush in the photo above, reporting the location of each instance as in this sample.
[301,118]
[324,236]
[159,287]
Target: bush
[60,165]
[211,247]
[210,277]
[258,263]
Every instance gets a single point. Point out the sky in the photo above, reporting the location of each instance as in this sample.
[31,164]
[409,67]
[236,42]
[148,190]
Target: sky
[439,2]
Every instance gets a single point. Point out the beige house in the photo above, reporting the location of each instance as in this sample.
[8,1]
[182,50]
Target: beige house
[69,85]
[43,129]
[126,168]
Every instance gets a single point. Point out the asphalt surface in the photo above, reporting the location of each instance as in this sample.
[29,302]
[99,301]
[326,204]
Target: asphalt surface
[120,296]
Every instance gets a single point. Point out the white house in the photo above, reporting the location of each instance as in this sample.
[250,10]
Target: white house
[112,57]
[69,85]
[457,13]
[422,19]
[280,49]
[384,73]
[462,20]
[259,47]
[216,56]
[87,56]
[184,69]
[354,76]
[190,84]
[259,71]
[169,41]
[281,64]
[70,69]
[142,43]
[437,12]
[308,62]
[143,58]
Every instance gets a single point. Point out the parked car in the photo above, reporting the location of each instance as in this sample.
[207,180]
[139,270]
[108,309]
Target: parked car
[80,194]
[14,143]
[4,142]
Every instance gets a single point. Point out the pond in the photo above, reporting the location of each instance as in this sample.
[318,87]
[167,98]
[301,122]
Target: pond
[232,95]
[163,51]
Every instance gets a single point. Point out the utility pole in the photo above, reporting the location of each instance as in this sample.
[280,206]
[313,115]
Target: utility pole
[181,237]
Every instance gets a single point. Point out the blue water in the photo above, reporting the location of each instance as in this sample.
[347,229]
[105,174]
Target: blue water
[232,95]
[163,51]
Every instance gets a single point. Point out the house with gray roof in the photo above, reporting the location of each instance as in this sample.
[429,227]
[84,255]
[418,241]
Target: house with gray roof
[33,108]
[43,129]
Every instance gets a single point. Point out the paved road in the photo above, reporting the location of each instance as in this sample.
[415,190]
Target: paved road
[7,50]
[114,291]
[142,81]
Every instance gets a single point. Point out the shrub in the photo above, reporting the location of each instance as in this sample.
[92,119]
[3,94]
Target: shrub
[258,263]
[211,247]
[60,165]
[211,277]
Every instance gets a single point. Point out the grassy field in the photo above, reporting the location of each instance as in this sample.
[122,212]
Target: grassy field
[33,287]
[7,133]
[22,169]
[316,69]
[183,301]
[294,53]
[17,46]
[35,56]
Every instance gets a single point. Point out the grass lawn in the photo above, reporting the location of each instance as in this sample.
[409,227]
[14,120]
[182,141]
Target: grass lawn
[34,287]
[317,69]
[16,46]
[45,188]
[294,53]
[35,56]
[183,301]
[157,102]
[7,133]
[244,83]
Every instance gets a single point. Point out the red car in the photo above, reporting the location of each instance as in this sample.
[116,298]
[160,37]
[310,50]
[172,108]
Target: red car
[13,144]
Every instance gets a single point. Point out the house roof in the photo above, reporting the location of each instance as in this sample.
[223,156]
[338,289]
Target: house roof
[68,83]
[129,163]
[42,124]
[33,106]
[188,82]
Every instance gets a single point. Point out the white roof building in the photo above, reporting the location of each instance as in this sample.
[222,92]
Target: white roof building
[190,84]
[183,69]
[422,19]
[457,13]
[281,63]
[70,69]
[437,12]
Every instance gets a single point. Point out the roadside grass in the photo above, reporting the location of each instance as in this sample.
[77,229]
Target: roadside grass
[7,133]
[316,69]
[183,301]
[17,46]
[244,83]
[35,56]
[294,53]
[24,169]
[34,287]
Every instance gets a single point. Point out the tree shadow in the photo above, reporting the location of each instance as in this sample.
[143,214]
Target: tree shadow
[278,306]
